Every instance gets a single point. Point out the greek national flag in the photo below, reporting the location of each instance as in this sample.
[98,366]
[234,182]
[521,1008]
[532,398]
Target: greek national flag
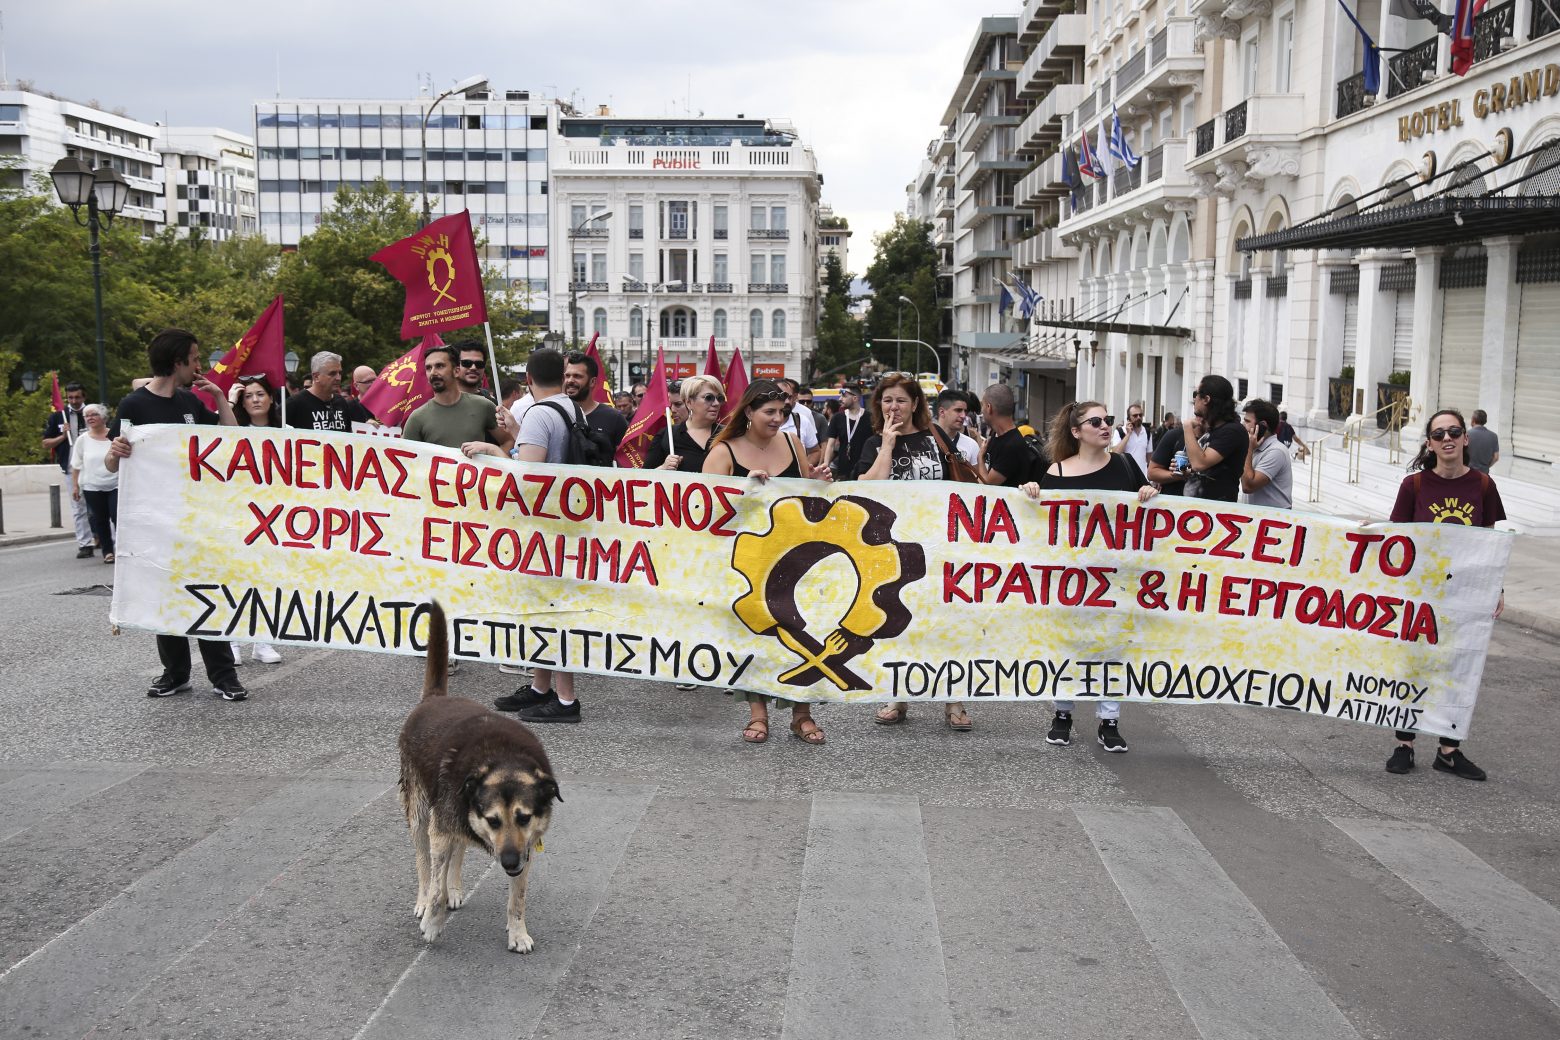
[1028,299]
[1118,142]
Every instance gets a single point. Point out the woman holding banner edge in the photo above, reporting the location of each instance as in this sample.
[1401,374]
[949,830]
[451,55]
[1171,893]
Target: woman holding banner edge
[1080,447]
[1444,489]
[904,448]
[753,446]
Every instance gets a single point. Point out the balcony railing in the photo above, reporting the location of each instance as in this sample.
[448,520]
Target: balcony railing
[1205,138]
[1125,180]
[1407,70]
[1154,162]
[1492,25]
[1235,122]
[1351,95]
[718,287]
[720,233]
[1086,110]
[631,286]
[1159,46]
[588,286]
[1132,71]
[636,232]
[767,287]
[769,233]
[588,232]
[1546,17]
[674,233]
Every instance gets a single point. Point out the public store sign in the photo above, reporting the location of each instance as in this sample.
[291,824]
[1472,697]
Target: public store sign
[892,591]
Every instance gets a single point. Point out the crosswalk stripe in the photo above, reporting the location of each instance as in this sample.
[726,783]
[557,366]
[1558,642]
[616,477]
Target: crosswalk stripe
[866,955]
[27,798]
[450,988]
[1517,926]
[1232,972]
[104,960]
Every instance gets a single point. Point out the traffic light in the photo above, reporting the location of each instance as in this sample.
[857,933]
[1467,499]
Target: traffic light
[869,346]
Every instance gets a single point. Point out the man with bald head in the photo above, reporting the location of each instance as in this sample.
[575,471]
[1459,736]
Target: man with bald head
[362,378]
[1007,459]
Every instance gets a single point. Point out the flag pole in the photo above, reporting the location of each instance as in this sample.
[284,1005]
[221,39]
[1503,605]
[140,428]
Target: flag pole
[487,331]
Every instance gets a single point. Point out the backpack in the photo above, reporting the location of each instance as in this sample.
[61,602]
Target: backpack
[1039,457]
[587,446]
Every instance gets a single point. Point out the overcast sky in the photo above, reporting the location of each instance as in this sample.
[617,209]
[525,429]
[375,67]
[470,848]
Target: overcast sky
[864,81]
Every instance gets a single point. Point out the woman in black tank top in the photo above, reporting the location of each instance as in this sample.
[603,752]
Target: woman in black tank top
[1080,446]
[754,434]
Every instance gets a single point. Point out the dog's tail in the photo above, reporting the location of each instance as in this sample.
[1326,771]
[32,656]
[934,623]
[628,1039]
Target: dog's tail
[436,673]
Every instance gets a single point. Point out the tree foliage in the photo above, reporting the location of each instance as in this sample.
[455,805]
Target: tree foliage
[336,298]
[905,265]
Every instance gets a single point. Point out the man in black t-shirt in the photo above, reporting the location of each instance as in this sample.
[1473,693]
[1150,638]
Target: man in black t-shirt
[1161,464]
[1216,442]
[1007,459]
[847,433]
[580,373]
[174,356]
[318,406]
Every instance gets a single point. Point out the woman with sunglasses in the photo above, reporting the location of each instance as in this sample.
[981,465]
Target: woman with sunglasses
[257,406]
[703,398]
[903,448]
[1082,461]
[1444,489]
[754,446]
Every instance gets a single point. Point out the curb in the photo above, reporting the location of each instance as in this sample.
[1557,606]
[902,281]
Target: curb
[8,541]
[1541,623]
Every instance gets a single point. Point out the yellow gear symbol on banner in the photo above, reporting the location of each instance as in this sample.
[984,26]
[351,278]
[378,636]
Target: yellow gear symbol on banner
[439,255]
[802,532]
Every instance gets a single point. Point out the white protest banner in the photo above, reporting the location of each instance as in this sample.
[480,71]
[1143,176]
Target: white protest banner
[852,592]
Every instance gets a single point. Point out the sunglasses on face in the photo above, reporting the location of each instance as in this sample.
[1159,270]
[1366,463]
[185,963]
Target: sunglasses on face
[711,398]
[770,396]
[469,363]
[1453,432]
[1099,422]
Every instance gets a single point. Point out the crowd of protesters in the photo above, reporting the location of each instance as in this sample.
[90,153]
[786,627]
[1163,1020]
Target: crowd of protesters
[1220,451]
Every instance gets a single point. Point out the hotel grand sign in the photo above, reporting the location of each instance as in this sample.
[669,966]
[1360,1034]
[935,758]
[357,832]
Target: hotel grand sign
[1495,97]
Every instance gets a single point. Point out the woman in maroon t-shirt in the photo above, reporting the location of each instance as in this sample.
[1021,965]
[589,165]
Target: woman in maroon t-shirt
[1444,489]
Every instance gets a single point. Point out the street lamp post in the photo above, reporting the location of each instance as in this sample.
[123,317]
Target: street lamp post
[469,83]
[574,324]
[104,192]
[906,299]
[899,335]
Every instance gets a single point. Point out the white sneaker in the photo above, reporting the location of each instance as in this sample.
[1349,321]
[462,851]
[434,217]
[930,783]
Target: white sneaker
[238,653]
[513,669]
[265,653]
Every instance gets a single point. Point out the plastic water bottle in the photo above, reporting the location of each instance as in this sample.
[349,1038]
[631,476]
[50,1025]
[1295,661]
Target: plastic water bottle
[1180,463]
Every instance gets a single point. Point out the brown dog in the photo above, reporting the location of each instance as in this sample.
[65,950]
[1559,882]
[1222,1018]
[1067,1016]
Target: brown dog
[470,776]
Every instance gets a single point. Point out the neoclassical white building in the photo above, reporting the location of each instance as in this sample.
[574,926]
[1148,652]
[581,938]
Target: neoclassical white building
[680,229]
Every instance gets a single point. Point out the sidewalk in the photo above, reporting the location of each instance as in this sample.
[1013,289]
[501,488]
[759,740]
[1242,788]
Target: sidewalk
[1531,578]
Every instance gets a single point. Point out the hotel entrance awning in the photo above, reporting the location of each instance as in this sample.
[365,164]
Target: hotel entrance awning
[1441,221]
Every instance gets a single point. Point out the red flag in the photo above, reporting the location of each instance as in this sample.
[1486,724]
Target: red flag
[259,352]
[711,361]
[603,392]
[402,386]
[736,384]
[55,399]
[1463,15]
[438,266]
[649,420]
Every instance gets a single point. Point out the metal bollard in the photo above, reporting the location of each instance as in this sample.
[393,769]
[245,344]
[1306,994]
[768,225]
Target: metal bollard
[54,506]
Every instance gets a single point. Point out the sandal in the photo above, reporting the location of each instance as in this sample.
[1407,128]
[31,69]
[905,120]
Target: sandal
[807,736]
[756,732]
[891,714]
[959,719]
[108,557]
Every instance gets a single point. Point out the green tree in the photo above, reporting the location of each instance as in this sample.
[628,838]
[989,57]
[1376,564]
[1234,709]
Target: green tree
[905,264]
[839,340]
[836,282]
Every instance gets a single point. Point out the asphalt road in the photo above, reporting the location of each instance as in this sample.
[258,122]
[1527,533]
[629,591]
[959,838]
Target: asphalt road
[194,868]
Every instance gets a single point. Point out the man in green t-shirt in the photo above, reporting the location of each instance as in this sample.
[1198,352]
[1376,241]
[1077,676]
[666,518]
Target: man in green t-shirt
[452,418]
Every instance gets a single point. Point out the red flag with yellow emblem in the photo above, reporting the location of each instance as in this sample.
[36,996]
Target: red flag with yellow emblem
[402,386]
[259,352]
[649,420]
[602,394]
[438,266]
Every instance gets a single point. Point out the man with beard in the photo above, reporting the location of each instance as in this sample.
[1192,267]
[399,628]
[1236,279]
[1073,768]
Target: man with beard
[1216,443]
[451,417]
[580,373]
[470,370]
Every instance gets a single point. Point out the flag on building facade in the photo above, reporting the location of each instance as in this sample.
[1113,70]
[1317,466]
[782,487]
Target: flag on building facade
[1028,299]
[443,280]
[1119,148]
[649,418]
[402,386]
[1372,59]
[1423,9]
[259,352]
[735,385]
[1462,35]
[1088,162]
[1070,176]
[1102,154]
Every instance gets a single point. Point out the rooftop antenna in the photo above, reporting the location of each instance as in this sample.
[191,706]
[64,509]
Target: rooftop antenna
[278,74]
[5,82]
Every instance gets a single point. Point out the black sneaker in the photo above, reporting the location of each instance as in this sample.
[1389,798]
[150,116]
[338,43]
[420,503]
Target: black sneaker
[231,690]
[167,686]
[1110,737]
[524,699]
[1458,763]
[1402,760]
[1061,729]
[553,711]
[84,552]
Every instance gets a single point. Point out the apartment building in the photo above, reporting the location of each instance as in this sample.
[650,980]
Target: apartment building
[209,181]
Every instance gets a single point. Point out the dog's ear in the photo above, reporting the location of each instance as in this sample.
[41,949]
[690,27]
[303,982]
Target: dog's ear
[473,781]
[547,791]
